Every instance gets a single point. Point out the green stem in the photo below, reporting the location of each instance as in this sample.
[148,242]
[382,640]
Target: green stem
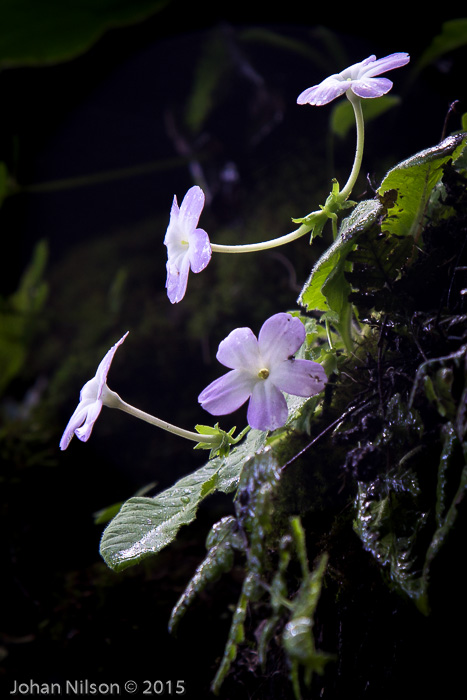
[265,245]
[341,197]
[357,108]
[112,400]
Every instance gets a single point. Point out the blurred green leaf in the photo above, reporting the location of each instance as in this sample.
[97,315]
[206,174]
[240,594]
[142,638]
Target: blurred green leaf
[208,79]
[322,48]
[453,35]
[17,315]
[35,32]
[343,118]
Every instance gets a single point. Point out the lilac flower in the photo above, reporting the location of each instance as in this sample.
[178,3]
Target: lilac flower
[91,400]
[260,370]
[187,246]
[359,78]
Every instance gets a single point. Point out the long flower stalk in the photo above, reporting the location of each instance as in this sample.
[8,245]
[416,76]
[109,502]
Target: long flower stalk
[264,245]
[112,400]
[357,164]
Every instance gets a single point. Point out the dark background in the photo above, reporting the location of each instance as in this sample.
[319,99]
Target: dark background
[64,615]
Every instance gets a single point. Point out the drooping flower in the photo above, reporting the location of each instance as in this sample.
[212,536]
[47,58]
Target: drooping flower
[261,369]
[187,246]
[360,79]
[90,404]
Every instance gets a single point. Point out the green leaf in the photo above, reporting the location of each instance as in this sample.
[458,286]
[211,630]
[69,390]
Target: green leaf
[453,36]
[18,314]
[326,57]
[258,483]
[297,637]
[389,521]
[343,117]
[222,447]
[103,515]
[35,32]
[210,74]
[220,544]
[326,287]
[316,220]
[144,526]
[414,180]
[377,265]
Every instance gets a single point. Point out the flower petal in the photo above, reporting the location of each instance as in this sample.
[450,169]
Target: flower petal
[172,228]
[104,366]
[240,351]
[191,208]
[187,246]
[299,377]
[280,336]
[84,432]
[76,420]
[267,409]
[323,93]
[90,403]
[371,87]
[355,77]
[177,278]
[199,250]
[354,71]
[228,393]
[382,65]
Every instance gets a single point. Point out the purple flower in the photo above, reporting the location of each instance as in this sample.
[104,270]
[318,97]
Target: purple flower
[260,370]
[359,78]
[187,246]
[90,404]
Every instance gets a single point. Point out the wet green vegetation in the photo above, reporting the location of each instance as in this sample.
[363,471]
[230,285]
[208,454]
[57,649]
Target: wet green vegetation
[323,560]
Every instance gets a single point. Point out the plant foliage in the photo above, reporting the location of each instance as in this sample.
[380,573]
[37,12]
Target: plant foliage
[405,439]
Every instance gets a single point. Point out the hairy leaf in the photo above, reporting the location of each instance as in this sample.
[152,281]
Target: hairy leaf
[326,287]
[145,525]
[377,263]
[253,507]
[220,556]
[414,180]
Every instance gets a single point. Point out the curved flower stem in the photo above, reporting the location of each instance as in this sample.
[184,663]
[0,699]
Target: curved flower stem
[356,103]
[265,245]
[112,400]
[310,220]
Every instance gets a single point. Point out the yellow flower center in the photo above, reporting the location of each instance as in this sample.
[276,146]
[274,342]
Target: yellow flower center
[263,373]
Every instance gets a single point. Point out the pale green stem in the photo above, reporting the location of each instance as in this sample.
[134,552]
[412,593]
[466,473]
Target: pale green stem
[112,400]
[343,194]
[265,245]
[357,108]
[328,334]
